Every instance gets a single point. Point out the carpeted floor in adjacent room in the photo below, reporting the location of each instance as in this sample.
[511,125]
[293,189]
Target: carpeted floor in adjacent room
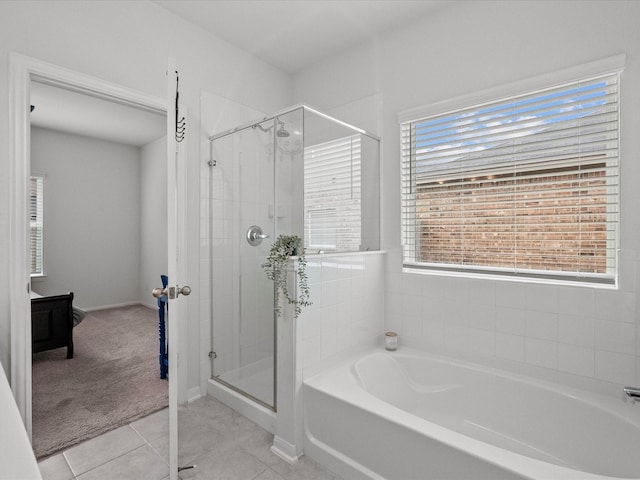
[114,378]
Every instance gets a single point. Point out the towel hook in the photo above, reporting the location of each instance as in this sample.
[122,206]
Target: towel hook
[181,124]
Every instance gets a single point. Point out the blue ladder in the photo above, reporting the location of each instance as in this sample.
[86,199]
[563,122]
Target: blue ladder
[163,305]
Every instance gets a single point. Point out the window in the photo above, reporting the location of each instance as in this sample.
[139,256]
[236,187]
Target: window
[332,195]
[526,185]
[36,192]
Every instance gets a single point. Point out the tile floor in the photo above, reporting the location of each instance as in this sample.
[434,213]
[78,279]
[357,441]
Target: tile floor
[219,441]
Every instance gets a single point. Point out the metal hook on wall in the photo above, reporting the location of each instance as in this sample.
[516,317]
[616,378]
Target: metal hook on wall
[181,124]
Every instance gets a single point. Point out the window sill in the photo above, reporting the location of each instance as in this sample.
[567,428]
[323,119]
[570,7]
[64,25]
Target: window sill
[509,278]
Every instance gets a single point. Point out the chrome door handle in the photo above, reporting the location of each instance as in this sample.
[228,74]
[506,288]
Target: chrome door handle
[255,235]
[171,292]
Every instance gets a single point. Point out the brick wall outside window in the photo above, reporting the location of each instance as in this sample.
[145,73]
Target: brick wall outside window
[560,223]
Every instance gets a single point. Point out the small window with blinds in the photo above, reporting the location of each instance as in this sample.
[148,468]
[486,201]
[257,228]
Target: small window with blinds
[332,195]
[36,198]
[525,186]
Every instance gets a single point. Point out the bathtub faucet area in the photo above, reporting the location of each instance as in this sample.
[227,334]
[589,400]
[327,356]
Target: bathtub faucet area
[632,394]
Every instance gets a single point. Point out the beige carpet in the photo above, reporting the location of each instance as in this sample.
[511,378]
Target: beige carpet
[113,379]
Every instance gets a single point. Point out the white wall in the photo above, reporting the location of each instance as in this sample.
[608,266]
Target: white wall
[91,218]
[128,43]
[586,333]
[153,218]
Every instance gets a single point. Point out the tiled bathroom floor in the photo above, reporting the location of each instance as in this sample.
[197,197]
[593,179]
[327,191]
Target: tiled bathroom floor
[219,441]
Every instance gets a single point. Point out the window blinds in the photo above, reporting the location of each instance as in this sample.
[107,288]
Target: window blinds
[525,185]
[36,196]
[332,195]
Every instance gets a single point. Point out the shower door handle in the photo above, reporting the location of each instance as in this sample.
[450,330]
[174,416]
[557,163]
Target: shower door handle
[255,235]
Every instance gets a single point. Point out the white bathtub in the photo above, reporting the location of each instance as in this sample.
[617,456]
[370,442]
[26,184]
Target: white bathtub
[412,416]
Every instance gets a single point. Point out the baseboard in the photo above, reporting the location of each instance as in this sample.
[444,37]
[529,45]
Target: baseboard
[115,305]
[284,450]
[193,394]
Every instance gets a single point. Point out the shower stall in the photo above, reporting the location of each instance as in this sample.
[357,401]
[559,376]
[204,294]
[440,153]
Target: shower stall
[298,172]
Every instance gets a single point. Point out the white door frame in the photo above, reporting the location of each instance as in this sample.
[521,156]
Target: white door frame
[23,70]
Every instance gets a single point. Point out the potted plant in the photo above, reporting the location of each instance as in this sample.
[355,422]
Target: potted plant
[275,267]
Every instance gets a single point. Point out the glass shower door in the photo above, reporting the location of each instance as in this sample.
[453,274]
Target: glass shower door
[243,327]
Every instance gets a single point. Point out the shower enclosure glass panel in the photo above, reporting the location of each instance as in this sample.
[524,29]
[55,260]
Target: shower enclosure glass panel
[243,327]
[297,173]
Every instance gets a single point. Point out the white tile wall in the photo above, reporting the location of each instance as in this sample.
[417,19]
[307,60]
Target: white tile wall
[347,291]
[589,332]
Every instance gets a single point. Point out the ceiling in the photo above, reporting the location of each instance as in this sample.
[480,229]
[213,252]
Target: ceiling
[60,109]
[288,34]
[294,34]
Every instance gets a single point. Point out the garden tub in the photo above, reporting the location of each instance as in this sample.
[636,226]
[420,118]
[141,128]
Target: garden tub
[410,415]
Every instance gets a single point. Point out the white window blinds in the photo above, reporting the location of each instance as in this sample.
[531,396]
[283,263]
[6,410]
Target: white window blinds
[36,197]
[526,185]
[332,195]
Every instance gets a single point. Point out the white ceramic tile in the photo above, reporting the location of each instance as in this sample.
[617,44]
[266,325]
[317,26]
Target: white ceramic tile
[541,298]
[412,327]
[314,271]
[576,360]
[412,305]
[310,322]
[433,333]
[432,286]
[541,325]
[357,286]
[615,337]
[329,269]
[394,282]
[615,367]
[315,296]
[615,306]
[432,310]
[509,320]
[329,317]
[453,288]
[576,301]
[543,353]
[627,276]
[344,267]
[482,316]
[311,351]
[510,294]
[328,343]
[344,337]
[153,426]
[510,347]
[412,284]
[344,290]
[374,264]
[102,449]
[55,468]
[456,336]
[481,291]
[142,462]
[394,323]
[576,330]
[482,342]
[456,313]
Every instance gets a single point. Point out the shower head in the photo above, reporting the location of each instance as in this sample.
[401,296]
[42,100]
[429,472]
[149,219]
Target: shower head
[281,132]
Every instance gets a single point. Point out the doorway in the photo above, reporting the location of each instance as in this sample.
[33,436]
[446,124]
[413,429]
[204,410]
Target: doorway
[23,71]
[104,234]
